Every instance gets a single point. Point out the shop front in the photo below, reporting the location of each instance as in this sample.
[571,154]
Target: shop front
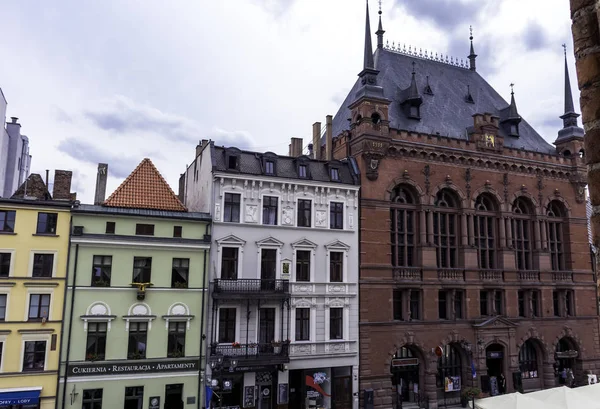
[20,398]
[318,388]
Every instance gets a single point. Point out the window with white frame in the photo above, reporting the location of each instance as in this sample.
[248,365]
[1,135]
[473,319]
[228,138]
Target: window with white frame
[337,265]
[5,263]
[302,324]
[43,265]
[269,209]
[34,355]
[3,304]
[227,323]
[336,323]
[39,307]
[303,265]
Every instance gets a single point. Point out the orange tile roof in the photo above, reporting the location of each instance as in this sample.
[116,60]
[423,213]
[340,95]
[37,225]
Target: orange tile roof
[145,188]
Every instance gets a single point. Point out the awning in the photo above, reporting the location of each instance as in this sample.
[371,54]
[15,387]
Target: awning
[19,397]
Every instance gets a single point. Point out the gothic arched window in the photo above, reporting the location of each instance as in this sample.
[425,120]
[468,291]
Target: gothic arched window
[528,363]
[445,229]
[403,229]
[522,233]
[486,223]
[555,226]
[449,364]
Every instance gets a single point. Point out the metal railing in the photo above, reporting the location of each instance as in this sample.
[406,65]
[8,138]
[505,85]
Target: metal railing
[251,351]
[251,286]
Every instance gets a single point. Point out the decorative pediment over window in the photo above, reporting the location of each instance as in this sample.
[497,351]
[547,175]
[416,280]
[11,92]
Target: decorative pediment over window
[303,302]
[139,312]
[337,245]
[269,242]
[230,240]
[304,243]
[97,312]
[178,312]
[336,302]
[496,322]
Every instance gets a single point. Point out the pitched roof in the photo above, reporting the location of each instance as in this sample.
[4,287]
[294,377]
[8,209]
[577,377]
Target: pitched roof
[145,188]
[445,112]
[33,186]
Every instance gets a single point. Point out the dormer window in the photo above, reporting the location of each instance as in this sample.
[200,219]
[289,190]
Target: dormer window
[269,163]
[269,167]
[232,162]
[334,173]
[302,172]
[414,112]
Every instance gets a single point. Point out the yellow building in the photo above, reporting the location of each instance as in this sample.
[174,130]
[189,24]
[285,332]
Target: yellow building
[34,238]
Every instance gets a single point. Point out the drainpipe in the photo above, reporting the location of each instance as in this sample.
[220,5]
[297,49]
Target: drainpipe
[62,327]
[64,394]
[204,296]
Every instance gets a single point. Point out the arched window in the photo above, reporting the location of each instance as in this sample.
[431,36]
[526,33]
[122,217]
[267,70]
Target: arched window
[486,223]
[555,226]
[522,233]
[448,364]
[445,229]
[403,230]
[528,363]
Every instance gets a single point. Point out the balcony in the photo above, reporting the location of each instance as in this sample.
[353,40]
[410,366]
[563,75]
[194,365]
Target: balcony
[407,274]
[529,275]
[451,274]
[491,275]
[253,354]
[250,288]
[562,276]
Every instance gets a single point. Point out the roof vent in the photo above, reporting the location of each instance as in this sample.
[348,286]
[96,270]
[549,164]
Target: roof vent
[428,90]
[469,98]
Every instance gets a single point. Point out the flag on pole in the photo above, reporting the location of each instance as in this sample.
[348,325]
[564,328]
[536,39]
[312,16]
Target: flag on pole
[209,393]
[473,371]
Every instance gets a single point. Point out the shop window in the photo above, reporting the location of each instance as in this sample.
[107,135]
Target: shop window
[449,365]
[528,364]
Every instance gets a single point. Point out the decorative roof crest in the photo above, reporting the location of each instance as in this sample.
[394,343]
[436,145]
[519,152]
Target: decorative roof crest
[425,55]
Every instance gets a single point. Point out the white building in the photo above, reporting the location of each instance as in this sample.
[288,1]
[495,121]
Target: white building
[284,276]
[15,160]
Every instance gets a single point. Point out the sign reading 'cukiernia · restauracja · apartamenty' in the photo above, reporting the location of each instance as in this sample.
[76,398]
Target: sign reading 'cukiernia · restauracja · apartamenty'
[125,368]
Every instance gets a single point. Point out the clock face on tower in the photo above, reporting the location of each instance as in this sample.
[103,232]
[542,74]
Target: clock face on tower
[489,140]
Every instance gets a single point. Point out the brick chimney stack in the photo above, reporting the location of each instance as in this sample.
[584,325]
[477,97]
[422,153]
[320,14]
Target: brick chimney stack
[101,178]
[296,147]
[62,185]
[317,140]
[329,137]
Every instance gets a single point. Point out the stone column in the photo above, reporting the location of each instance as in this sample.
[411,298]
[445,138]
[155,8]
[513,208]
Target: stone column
[502,224]
[472,229]
[423,227]
[430,226]
[536,233]
[464,232]
[544,238]
[430,386]
[508,232]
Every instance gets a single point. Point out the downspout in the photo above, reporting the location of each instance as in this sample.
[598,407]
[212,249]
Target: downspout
[64,394]
[62,327]
[204,298]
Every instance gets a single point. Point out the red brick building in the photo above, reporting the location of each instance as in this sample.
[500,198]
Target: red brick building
[474,246]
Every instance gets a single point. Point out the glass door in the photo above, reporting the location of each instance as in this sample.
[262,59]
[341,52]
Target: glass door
[266,331]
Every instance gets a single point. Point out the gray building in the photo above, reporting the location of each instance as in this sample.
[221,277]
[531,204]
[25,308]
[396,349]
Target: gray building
[283,322]
[15,159]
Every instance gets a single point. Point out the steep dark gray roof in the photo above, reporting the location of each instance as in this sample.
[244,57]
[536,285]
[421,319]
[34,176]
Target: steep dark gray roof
[251,163]
[445,112]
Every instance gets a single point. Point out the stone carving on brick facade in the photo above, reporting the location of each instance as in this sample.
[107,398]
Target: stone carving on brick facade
[505,183]
[321,218]
[217,212]
[251,214]
[468,182]
[406,181]
[427,172]
[287,215]
[405,174]
[448,180]
[373,153]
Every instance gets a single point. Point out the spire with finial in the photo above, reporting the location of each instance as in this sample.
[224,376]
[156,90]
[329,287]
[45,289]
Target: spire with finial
[472,55]
[570,129]
[380,31]
[512,112]
[510,115]
[413,90]
[368,58]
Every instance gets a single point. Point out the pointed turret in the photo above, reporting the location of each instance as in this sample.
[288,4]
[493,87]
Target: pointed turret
[472,55]
[412,100]
[368,58]
[570,129]
[511,117]
[380,31]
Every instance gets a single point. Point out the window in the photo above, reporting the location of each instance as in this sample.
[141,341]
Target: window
[7,221]
[458,305]
[180,273]
[569,307]
[445,229]
[528,303]
[92,399]
[144,230]
[556,303]
[5,264]
[303,265]
[39,306]
[555,227]
[450,304]
[398,309]
[403,234]
[269,210]
[336,215]
[336,323]
[521,302]
[522,233]
[43,265]
[415,305]
[485,231]
[269,167]
[442,305]
[134,397]
[142,268]
[231,211]
[229,263]
[34,356]
[302,324]
[138,337]
[227,317]
[528,360]
[302,173]
[334,173]
[448,364]
[110,228]
[232,162]
[268,268]
[498,303]
[176,344]
[101,271]
[177,230]
[304,213]
[96,341]
[336,266]
[3,298]
[483,303]
[535,303]
[491,302]
[46,223]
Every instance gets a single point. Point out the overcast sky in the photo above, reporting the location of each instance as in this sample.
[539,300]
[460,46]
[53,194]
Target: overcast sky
[119,80]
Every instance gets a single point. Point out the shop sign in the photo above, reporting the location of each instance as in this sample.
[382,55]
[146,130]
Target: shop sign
[567,354]
[154,402]
[124,368]
[494,354]
[405,362]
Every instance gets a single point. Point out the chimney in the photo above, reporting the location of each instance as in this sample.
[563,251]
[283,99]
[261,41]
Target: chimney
[328,137]
[13,128]
[14,119]
[317,140]
[62,185]
[296,147]
[101,177]
[310,151]
[181,191]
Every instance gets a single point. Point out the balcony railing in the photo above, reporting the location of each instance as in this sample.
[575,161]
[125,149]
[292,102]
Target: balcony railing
[562,276]
[249,286]
[491,275]
[529,275]
[275,353]
[451,274]
[407,274]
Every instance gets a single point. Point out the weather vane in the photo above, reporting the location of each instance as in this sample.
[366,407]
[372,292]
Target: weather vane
[564,46]
[512,91]
[471,32]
